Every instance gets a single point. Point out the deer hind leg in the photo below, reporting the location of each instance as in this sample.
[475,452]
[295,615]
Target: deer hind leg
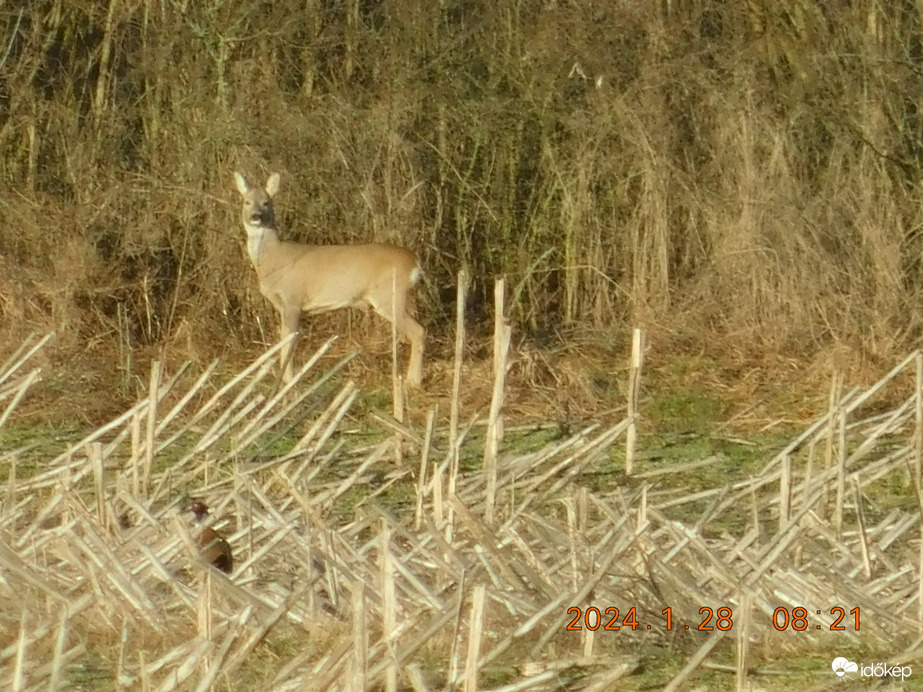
[408,329]
[290,318]
[414,333]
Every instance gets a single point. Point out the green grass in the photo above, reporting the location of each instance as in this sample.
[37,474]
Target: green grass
[684,411]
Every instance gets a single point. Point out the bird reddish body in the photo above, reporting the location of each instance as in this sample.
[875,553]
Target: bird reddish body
[215,550]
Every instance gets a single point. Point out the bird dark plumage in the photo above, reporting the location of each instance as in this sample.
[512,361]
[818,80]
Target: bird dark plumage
[215,550]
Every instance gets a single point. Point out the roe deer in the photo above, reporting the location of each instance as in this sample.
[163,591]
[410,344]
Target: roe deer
[300,278]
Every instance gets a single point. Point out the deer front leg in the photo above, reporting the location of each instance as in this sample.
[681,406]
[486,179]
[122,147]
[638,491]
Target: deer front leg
[290,319]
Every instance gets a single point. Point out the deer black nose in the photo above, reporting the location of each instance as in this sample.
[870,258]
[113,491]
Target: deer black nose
[262,216]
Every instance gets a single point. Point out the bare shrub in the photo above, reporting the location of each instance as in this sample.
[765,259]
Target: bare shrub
[726,172]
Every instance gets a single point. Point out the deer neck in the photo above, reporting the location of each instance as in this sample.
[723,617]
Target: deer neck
[260,242]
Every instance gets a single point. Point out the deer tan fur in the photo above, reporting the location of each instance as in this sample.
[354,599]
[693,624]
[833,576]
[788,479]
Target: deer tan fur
[300,278]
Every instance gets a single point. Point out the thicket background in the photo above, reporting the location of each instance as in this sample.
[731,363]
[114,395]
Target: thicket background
[742,173]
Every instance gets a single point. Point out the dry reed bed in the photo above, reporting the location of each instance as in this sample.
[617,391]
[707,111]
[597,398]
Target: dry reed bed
[434,596]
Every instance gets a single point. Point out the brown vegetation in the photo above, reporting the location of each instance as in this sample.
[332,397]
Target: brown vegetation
[738,172]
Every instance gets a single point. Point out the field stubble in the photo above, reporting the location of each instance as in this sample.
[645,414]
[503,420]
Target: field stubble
[364,558]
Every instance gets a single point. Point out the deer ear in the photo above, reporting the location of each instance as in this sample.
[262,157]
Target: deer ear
[241,183]
[272,185]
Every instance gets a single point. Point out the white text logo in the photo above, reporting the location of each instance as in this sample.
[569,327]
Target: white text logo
[841,666]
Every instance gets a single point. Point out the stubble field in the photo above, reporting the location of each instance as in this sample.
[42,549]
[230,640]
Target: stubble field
[369,555]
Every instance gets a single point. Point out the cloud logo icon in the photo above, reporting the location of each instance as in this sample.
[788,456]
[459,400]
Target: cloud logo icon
[842,665]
